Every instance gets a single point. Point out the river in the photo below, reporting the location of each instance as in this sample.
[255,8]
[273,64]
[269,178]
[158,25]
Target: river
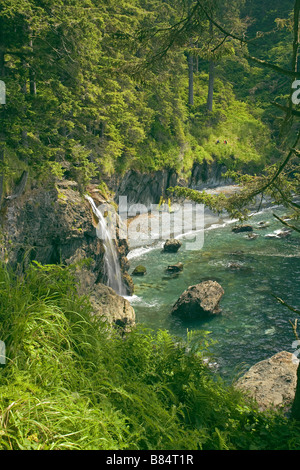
[253,325]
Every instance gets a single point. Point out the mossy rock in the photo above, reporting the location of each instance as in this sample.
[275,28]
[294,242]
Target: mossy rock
[139,270]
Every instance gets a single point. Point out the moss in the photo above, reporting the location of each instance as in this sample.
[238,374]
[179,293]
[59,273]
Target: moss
[62,198]
[139,270]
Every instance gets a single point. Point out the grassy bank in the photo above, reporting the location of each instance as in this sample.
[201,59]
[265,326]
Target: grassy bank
[70,382]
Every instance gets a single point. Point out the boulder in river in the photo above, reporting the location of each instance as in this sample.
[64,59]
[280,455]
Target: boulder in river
[239,267]
[174,268]
[242,228]
[172,245]
[251,236]
[139,270]
[281,233]
[262,224]
[199,301]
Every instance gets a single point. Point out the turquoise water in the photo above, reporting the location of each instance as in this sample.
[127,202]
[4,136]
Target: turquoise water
[253,325]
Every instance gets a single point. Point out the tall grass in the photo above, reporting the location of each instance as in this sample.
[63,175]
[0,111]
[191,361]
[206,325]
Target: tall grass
[73,382]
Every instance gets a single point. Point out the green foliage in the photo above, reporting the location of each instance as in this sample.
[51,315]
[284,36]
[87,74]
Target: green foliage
[80,100]
[71,382]
[279,184]
[249,142]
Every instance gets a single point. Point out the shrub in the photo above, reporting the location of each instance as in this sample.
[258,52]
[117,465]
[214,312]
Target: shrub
[72,382]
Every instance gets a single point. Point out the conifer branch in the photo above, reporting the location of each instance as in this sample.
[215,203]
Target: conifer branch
[286,224]
[282,302]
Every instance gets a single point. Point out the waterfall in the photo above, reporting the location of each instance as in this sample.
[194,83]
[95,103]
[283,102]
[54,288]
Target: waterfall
[111,260]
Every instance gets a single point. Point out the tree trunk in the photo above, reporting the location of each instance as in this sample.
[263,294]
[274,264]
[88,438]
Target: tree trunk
[191,65]
[102,129]
[26,68]
[32,82]
[2,62]
[2,74]
[1,174]
[2,50]
[211,86]
[191,79]
[24,91]
[211,76]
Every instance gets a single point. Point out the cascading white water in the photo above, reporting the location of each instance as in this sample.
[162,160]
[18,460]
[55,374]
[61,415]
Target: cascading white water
[111,261]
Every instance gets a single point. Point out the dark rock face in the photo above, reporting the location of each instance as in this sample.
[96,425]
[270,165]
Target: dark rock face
[199,301]
[55,225]
[172,245]
[145,188]
[207,174]
[148,188]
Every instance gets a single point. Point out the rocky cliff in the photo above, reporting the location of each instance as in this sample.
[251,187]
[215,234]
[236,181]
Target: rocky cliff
[148,188]
[56,225]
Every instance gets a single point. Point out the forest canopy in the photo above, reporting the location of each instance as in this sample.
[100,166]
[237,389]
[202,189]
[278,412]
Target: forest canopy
[96,87]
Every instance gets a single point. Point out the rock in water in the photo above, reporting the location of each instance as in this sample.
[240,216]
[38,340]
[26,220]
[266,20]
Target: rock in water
[199,301]
[251,236]
[239,267]
[281,233]
[242,228]
[174,268]
[139,270]
[262,225]
[172,245]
